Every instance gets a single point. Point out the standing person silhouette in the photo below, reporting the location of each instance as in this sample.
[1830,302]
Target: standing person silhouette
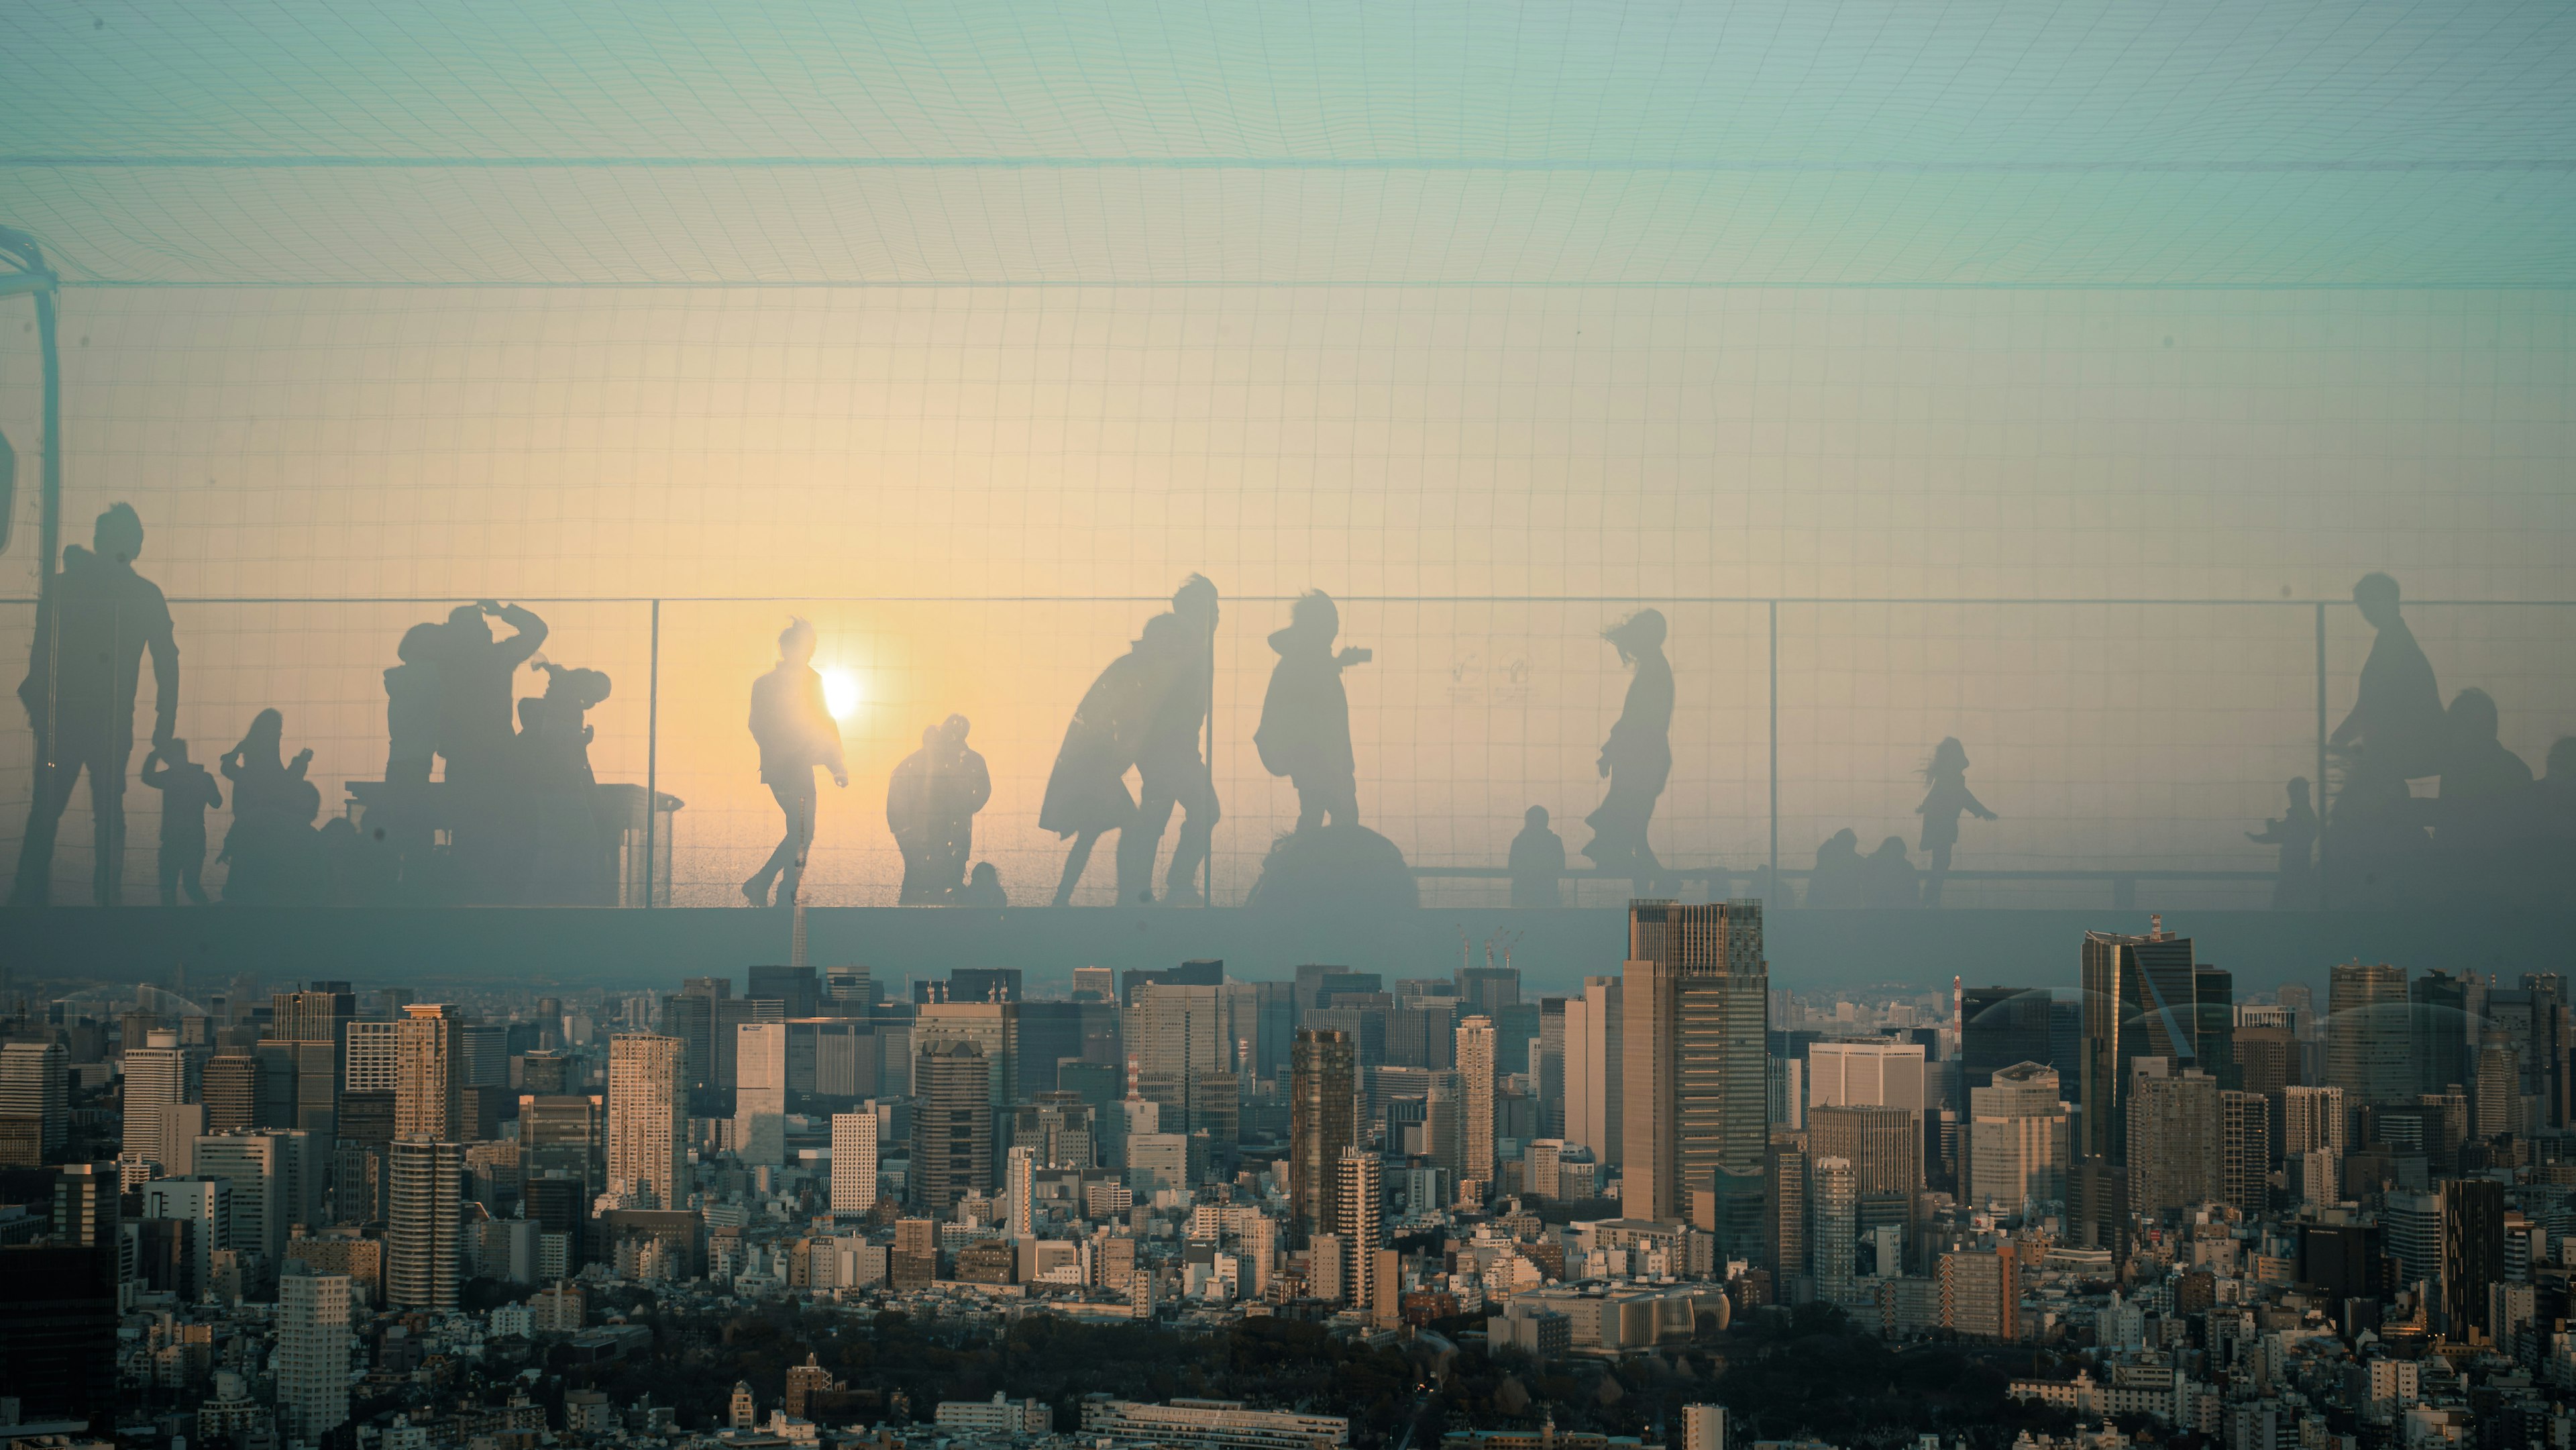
[1947,775]
[1305,731]
[2397,724]
[1637,759]
[1537,862]
[188,791]
[271,810]
[476,677]
[2294,881]
[930,807]
[1171,769]
[796,733]
[1086,793]
[93,627]
[412,707]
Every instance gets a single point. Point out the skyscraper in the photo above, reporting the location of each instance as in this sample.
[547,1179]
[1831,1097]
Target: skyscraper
[232,1089]
[276,1175]
[1837,1230]
[1360,1188]
[952,1124]
[2140,1000]
[1787,1183]
[648,1115]
[2439,1028]
[429,1076]
[760,1092]
[2472,1254]
[1019,1192]
[854,1160]
[2245,1151]
[1697,996]
[2016,1137]
[35,1086]
[1476,1071]
[2368,1034]
[371,1058]
[424,1223]
[1323,1119]
[1999,1027]
[155,1078]
[1595,1056]
[312,1351]
[2174,1138]
[2312,1118]
[1883,1145]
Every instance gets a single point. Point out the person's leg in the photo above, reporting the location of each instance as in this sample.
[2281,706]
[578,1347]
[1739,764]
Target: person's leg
[107,824]
[781,856]
[1198,833]
[169,864]
[1940,872]
[800,830]
[1074,861]
[1140,841]
[51,792]
[192,864]
[1342,800]
[1312,802]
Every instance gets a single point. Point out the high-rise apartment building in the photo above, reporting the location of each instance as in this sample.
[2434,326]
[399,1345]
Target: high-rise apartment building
[2174,1138]
[1786,1181]
[2245,1151]
[952,1124]
[648,1119]
[2016,1145]
[276,1177]
[2368,1034]
[2312,1118]
[2140,1000]
[854,1160]
[312,1360]
[429,1079]
[1836,1237]
[1476,1073]
[1595,1058]
[1019,1192]
[1323,1119]
[1696,993]
[1360,1188]
[424,1223]
[371,1057]
[35,1087]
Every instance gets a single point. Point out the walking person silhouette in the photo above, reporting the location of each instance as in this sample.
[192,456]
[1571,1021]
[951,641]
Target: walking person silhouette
[796,733]
[1637,759]
[1949,796]
[94,624]
[1086,793]
[1171,770]
[1305,731]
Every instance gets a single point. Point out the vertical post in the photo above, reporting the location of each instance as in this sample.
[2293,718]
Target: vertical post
[1207,863]
[1775,745]
[652,753]
[2323,814]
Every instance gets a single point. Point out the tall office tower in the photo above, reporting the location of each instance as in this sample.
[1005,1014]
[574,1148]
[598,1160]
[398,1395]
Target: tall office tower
[1595,1056]
[2175,1152]
[2267,1058]
[2368,1035]
[2440,1029]
[2213,994]
[424,1223]
[2138,1002]
[2016,1146]
[1476,1072]
[2472,1254]
[2312,1118]
[2245,1151]
[1998,1028]
[88,1207]
[1182,1039]
[1057,1126]
[2412,1224]
[156,1079]
[690,1017]
[1703,1427]
[35,1086]
[1486,991]
[1697,995]
[854,1160]
[2098,1207]
[371,1057]
[952,1124]
[204,1203]
[2496,1093]
[793,988]
[1883,1145]
[429,1078]
[648,1119]
[1785,1179]
[485,1047]
[1019,1193]
[568,1134]
[312,1361]
[1359,1182]
[1837,1229]
[1875,1072]
[276,1175]
[1323,1119]
[232,1081]
[1094,982]
[1548,1067]
[760,1092]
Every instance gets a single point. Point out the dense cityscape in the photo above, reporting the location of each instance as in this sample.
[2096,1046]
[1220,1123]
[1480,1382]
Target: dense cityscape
[806,1207]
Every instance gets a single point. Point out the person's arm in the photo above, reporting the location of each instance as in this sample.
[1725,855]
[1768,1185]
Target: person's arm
[826,731]
[531,635]
[164,644]
[1976,807]
[979,783]
[155,771]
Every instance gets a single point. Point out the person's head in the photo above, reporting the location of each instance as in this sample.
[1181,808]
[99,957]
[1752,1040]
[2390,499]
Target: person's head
[307,799]
[796,641]
[2298,790]
[984,875]
[1314,614]
[1195,602]
[1535,818]
[580,689]
[466,621]
[1892,849]
[1949,758]
[1843,842]
[175,751]
[954,730]
[2376,596]
[418,643]
[2561,764]
[118,534]
[267,729]
[1164,635]
[2473,717]
[1640,633]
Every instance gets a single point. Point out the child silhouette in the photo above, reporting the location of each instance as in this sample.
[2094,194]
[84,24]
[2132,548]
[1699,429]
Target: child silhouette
[188,791]
[1949,795]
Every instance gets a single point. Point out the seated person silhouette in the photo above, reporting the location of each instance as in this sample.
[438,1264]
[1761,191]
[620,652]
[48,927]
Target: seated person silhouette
[188,791]
[1888,875]
[2294,885]
[930,807]
[1305,731]
[2484,814]
[1840,877]
[983,887]
[1537,862]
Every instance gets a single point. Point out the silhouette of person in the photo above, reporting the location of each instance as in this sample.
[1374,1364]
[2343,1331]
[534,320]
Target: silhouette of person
[270,811]
[1086,793]
[2484,810]
[188,791]
[1305,731]
[1637,759]
[570,858]
[983,888]
[412,707]
[1888,875]
[1840,877]
[930,807]
[1170,767]
[1948,796]
[2396,726]
[2294,882]
[796,733]
[2551,869]
[476,677]
[93,627]
[1537,862]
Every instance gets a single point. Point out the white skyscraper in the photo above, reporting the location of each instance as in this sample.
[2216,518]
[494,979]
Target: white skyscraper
[1877,1073]
[854,1160]
[2312,1118]
[312,1352]
[156,1078]
[1594,1049]
[205,1202]
[648,1119]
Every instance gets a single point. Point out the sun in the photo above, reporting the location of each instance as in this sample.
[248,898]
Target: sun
[841,693]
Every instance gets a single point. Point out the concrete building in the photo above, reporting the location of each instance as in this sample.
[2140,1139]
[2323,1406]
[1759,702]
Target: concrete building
[952,1124]
[429,1075]
[203,1203]
[424,1223]
[371,1057]
[2138,1002]
[1884,1145]
[276,1180]
[1208,1425]
[1703,1427]
[1360,1183]
[1981,1294]
[312,1352]
[1696,994]
[2245,1151]
[760,1093]
[854,1160]
[648,1119]
[1834,1238]
[2016,1145]
[1323,1119]
[1595,1059]
[1875,1072]
[156,1077]
[1476,1123]
[2312,1118]
[2175,1139]
[997,1416]
[2368,1034]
